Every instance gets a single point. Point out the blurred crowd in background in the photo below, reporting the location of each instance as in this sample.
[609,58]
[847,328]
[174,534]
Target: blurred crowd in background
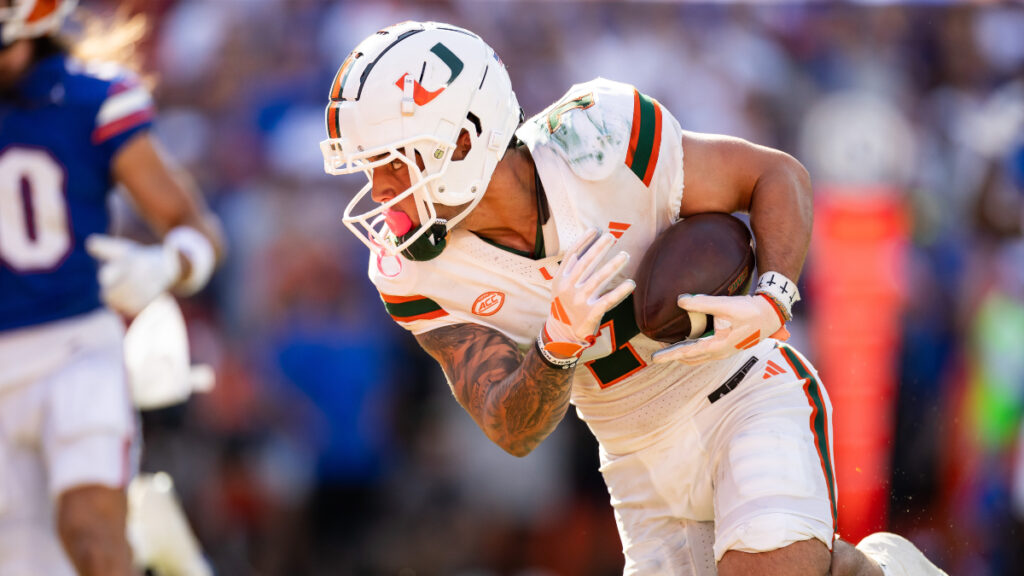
[332,445]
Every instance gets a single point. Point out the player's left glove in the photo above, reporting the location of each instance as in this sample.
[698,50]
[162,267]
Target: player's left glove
[580,297]
[740,322]
[131,274]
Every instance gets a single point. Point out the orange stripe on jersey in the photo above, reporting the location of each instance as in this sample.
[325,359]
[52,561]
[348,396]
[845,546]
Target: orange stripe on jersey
[656,148]
[819,424]
[634,136]
[617,229]
[645,137]
[410,308]
[400,299]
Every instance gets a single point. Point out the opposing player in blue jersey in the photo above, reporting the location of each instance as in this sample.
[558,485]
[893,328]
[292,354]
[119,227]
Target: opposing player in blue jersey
[69,131]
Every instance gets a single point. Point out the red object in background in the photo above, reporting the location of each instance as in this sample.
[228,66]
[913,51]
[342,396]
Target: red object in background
[858,282]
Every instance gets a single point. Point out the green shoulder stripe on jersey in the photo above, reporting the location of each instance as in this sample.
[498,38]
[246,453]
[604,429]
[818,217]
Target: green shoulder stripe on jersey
[819,423]
[410,308]
[645,138]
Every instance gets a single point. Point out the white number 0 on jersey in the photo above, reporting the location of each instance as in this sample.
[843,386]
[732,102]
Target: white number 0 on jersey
[34,231]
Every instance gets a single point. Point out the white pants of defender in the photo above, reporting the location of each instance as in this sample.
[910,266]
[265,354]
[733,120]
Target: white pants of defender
[751,472]
[66,420]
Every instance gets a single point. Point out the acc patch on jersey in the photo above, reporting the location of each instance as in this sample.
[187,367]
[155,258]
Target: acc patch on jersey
[488,303]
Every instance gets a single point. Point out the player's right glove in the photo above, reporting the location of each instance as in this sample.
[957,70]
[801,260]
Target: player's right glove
[131,274]
[741,322]
[579,296]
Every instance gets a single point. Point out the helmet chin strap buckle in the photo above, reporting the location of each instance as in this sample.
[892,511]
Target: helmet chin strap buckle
[408,91]
[438,231]
[429,245]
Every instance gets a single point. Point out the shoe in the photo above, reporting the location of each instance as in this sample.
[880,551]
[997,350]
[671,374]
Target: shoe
[897,556]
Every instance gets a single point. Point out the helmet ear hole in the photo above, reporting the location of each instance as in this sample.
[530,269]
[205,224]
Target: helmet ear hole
[463,145]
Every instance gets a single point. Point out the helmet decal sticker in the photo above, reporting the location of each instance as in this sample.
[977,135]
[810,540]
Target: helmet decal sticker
[421,95]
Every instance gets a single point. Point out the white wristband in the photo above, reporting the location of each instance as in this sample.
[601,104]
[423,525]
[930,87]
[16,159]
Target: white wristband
[199,253]
[781,290]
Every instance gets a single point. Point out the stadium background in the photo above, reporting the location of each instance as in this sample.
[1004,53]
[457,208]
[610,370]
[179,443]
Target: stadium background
[331,445]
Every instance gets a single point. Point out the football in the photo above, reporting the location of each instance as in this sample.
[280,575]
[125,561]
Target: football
[704,254]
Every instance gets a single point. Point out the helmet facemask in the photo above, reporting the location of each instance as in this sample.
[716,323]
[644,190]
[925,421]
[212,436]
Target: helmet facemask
[380,226]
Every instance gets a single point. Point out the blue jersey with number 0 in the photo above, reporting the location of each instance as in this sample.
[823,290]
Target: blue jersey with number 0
[59,133]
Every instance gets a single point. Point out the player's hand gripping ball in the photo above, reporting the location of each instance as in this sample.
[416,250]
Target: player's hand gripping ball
[709,255]
[704,254]
[740,322]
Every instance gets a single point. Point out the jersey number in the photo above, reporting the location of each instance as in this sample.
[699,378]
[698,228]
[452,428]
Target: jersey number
[620,322]
[34,231]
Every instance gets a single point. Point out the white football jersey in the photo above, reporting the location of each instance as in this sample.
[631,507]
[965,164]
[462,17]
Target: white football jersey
[610,158]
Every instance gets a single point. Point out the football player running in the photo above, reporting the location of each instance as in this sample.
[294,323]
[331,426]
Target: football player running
[70,130]
[506,248]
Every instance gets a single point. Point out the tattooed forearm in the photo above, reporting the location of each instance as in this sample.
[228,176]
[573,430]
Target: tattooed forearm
[517,400]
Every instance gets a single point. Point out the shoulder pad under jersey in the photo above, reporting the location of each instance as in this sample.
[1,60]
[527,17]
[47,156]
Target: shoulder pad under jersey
[589,127]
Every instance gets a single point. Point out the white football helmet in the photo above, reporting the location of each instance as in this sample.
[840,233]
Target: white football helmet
[32,18]
[406,93]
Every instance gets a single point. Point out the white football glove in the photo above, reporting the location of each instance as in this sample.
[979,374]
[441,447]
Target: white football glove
[579,299]
[741,322]
[131,274]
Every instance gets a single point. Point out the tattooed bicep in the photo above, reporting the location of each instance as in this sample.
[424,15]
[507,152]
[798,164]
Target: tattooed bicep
[450,344]
[473,357]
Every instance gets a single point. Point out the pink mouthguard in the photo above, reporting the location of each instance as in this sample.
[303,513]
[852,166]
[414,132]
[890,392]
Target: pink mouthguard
[398,222]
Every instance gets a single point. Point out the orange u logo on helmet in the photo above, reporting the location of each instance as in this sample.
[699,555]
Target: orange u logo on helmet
[421,96]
